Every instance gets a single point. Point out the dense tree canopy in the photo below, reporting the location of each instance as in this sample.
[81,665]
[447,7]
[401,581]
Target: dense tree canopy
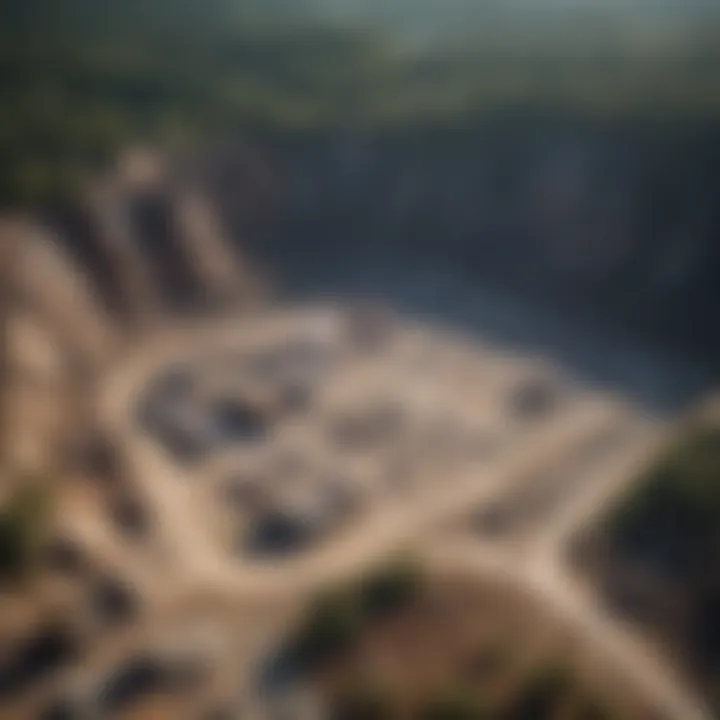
[81,77]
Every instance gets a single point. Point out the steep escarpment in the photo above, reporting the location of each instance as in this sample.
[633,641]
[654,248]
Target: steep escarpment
[574,239]
[616,225]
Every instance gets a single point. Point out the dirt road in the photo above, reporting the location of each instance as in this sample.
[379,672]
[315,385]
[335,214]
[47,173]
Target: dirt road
[195,559]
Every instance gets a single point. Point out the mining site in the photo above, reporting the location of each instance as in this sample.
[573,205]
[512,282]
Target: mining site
[260,371]
[358,360]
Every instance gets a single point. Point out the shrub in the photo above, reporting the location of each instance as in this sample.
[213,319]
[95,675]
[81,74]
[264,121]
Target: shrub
[14,557]
[453,705]
[331,626]
[391,586]
[21,523]
[365,701]
[336,618]
[542,694]
[592,710]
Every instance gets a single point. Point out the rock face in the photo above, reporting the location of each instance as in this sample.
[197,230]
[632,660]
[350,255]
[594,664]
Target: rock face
[617,223]
[609,225]
[150,244]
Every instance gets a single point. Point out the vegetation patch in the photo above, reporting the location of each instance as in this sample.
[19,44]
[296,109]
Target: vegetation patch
[337,617]
[23,520]
[401,645]
[657,552]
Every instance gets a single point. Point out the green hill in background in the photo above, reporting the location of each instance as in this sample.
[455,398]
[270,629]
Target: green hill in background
[82,77]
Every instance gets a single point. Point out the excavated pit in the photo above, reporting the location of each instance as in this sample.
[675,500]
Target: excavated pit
[593,244]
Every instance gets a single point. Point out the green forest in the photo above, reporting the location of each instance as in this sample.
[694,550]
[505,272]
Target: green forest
[80,78]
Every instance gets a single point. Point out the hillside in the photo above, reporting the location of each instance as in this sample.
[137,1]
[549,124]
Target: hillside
[81,81]
[656,551]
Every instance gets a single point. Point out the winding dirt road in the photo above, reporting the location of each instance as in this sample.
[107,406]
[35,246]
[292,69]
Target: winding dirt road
[193,559]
